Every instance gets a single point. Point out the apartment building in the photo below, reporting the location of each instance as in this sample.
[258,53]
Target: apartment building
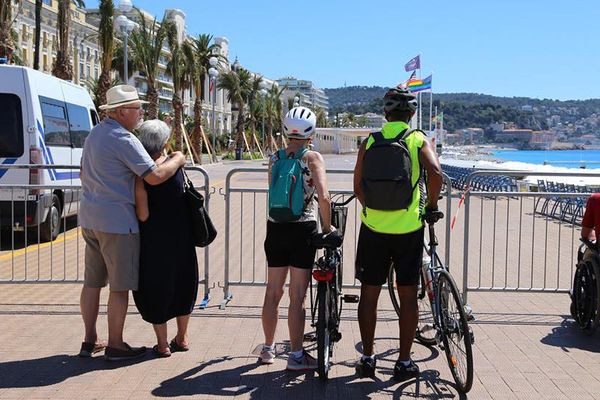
[85,51]
[314,97]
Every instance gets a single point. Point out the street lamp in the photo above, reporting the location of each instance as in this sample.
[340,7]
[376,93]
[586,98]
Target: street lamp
[263,91]
[125,25]
[296,101]
[213,73]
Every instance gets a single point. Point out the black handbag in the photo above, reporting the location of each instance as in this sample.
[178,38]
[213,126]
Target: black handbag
[203,229]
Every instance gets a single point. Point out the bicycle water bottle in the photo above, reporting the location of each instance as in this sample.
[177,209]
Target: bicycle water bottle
[427,274]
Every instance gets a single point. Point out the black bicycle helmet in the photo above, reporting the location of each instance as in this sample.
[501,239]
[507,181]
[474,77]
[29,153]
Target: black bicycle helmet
[399,99]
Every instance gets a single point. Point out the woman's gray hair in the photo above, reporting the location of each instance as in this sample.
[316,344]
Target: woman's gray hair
[154,134]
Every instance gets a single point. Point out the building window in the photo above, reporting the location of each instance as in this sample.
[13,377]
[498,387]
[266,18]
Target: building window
[48,2]
[81,70]
[25,60]
[89,72]
[96,73]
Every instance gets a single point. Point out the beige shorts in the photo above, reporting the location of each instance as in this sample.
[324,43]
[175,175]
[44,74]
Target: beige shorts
[112,258]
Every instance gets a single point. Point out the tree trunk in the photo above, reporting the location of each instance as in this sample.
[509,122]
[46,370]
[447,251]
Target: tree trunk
[38,27]
[239,139]
[152,97]
[63,68]
[177,121]
[103,86]
[196,138]
[7,46]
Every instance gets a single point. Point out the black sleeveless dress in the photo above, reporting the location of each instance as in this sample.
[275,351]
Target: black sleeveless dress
[168,285]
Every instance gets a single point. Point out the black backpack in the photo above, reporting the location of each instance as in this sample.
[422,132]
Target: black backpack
[387,173]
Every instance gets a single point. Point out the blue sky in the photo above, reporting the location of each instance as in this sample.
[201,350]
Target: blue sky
[533,48]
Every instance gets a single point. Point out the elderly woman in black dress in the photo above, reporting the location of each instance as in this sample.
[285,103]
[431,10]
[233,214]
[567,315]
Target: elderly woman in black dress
[168,284]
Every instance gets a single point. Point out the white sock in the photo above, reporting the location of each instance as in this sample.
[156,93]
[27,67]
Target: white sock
[297,354]
[268,346]
[405,363]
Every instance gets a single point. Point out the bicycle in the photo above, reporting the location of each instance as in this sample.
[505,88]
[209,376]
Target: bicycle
[585,296]
[326,304]
[443,320]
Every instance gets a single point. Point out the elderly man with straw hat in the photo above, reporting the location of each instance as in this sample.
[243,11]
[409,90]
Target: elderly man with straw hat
[112,159]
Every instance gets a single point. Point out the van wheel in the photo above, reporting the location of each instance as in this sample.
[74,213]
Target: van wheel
[50,229]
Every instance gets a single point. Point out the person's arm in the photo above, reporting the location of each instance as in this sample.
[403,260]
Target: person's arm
[358,173]
[587,223]
[165,170]
[316,165]
[141,200]
[429,160]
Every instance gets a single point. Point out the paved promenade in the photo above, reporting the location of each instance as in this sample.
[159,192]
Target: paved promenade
[526,345]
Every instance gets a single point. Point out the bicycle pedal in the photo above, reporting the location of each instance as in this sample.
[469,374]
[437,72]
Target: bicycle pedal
[309,337]
[336,336]
[351,298]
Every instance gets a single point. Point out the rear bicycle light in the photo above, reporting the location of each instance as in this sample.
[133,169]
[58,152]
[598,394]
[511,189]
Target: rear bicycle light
[35,178]
[322,276]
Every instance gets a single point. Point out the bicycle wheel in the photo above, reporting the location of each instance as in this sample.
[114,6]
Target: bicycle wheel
[455,332]
[323,334]
[586,296]
[425,333]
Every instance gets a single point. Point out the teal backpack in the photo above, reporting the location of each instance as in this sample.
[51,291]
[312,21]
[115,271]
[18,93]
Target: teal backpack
[286,189]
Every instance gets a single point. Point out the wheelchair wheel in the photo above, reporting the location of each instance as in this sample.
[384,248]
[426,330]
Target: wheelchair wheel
[586,299]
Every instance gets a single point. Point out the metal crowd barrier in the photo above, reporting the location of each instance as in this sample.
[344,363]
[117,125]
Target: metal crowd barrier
[509,246]
[245,229]
[26,259]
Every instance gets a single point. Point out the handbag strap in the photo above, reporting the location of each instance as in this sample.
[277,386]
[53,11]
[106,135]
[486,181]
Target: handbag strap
[187,182]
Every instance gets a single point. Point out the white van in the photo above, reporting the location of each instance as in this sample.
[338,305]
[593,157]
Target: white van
[43,120]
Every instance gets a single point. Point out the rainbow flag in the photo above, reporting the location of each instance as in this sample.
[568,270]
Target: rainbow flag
[419,85]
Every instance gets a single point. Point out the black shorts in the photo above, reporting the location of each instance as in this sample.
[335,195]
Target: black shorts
[288,244]
[376,251]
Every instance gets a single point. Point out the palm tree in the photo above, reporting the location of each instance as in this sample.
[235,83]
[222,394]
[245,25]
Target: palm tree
[237,83]
[146,42]
[93,87]
[63,68]
[107,45]
[179,72]
[273,114]
[321,117]
[198,52]
[7,42]
[254,106]
[38,27]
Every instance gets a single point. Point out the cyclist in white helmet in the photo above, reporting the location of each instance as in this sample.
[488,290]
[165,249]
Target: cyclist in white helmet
[287,243]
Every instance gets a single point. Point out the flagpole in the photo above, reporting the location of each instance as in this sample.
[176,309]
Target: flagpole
[430,106]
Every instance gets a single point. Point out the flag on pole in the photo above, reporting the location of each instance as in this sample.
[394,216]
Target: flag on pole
[404,85]
[419,85]
[413,64]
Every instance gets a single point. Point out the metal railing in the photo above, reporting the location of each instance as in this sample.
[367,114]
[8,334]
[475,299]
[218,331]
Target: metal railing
[508,245]
[245,229]
[25,258]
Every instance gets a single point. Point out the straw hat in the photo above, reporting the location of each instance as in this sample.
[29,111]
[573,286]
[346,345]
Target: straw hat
[121,95]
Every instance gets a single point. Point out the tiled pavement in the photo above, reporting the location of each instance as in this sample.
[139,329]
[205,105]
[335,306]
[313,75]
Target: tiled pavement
[525,347]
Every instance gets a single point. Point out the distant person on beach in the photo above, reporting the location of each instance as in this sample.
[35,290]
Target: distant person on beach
[392,228]
[112,158]
[168,284]
[287,243]
[590,225]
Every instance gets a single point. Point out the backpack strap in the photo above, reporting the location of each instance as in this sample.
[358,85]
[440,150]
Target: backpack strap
[377,136]
[301,153]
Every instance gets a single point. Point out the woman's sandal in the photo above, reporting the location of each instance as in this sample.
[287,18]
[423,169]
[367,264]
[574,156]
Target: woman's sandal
[161,354]
[175,347]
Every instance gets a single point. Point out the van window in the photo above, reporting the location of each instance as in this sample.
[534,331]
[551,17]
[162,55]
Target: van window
[11,126]
[79,124]
[56,126]
[95,118]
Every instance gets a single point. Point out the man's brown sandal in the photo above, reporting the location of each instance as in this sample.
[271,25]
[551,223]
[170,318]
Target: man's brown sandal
[88,349]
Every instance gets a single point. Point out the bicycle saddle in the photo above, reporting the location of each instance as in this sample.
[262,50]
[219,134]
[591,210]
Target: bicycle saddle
[331,240]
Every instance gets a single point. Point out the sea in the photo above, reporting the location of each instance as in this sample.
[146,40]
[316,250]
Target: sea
[588,159]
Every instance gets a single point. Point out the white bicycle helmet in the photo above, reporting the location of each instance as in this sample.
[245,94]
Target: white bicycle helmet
[299,123]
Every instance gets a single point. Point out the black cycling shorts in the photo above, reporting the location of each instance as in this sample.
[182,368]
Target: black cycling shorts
[377,251]
[288,244]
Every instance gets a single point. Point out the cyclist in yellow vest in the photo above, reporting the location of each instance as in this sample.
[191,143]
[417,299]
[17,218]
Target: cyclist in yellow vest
[386,182]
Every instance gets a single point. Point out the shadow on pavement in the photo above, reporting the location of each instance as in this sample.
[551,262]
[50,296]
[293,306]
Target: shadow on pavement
[255,381]
[54,369]
[569,336]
